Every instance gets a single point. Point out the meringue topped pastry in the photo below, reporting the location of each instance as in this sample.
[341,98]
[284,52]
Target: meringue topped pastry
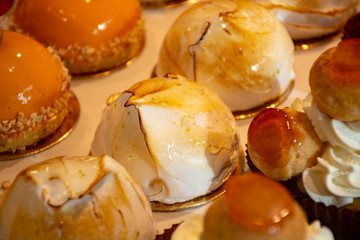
[90,36]
[34,92]
[175,136]
[236,48]
[75,198]
[311,18]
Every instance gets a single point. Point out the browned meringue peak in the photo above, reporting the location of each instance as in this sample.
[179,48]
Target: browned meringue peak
[311,18]
[175,136]
[75,198]
[236,48]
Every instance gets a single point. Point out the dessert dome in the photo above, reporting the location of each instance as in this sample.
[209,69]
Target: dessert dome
[236,48]
[89,35]
[75,198]
[175,136]
[312,18]
[34,93]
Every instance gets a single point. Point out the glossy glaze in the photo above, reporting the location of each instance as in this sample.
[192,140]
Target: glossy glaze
[85,22]
[31,77]
[271,134]
[267,202]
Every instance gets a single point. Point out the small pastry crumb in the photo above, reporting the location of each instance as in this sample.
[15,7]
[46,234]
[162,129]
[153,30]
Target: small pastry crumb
[5,184]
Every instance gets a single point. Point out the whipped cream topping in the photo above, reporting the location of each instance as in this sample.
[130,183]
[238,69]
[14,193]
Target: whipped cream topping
[336,132]
[334,180]
[318,232]
[192,228]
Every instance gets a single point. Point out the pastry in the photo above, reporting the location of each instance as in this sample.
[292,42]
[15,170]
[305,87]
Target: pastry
[236,48]
[34,102]
[89,36]
[75,198]
[282,143]
[331,183]
[335,81]
[329,190]
[253,207]
[311,18]
[175,136]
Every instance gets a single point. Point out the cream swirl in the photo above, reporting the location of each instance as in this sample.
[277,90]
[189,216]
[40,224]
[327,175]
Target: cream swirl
[335,179]
[336,132]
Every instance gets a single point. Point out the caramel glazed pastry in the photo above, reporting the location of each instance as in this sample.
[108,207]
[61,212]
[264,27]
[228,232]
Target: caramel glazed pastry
[316,142]
[253,207]
[34,92]
[89,36]
[81,198]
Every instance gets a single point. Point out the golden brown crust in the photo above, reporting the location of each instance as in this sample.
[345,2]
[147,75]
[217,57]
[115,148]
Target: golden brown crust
[342,103]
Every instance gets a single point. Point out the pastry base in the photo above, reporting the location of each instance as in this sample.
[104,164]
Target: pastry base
[60,134]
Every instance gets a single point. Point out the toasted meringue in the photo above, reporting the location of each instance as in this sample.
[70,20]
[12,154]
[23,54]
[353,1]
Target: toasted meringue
[311,18]
[236,48]
[175,136]
[75,198]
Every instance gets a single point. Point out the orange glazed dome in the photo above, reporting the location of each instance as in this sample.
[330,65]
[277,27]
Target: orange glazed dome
[83,32]
[33,87]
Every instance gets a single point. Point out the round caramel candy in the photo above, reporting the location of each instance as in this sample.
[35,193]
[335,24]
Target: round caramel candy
[271,135]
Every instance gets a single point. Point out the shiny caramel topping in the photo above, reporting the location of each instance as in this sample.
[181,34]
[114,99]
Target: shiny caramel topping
[257,202]
[345,63]
[31,78]
[84,22]
[272,133]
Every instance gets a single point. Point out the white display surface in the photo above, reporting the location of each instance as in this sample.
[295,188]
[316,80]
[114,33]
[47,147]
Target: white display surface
[93,92]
